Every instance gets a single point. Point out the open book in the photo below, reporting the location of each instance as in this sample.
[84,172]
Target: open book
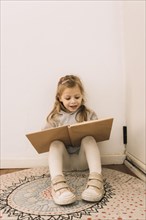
[71,134]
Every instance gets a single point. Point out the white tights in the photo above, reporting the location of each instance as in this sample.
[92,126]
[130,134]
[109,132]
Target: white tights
[88,157]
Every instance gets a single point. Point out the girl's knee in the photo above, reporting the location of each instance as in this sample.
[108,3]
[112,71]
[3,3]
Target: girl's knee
[88,140]
[57,145]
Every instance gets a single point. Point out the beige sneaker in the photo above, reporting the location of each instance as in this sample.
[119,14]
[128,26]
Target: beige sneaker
[60,191]
[94,189]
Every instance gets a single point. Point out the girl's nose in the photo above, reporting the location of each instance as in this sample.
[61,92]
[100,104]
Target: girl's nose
[73,100]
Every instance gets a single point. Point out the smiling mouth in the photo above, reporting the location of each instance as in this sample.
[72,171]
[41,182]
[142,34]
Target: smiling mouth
[73,106]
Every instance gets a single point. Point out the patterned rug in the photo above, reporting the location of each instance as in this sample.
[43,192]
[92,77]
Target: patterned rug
[25,195]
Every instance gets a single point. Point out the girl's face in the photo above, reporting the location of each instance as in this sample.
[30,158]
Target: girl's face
[71,98]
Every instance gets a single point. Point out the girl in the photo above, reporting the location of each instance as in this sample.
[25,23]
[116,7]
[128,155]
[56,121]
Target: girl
[69,108]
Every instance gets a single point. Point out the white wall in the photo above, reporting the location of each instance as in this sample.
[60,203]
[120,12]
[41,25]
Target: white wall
[43,40]
[134,32]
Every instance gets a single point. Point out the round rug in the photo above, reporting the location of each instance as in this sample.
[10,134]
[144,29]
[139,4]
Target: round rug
[26,195]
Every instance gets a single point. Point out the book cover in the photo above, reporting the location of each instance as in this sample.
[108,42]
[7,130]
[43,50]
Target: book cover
[71,134]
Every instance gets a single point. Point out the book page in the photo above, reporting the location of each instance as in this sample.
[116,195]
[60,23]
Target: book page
[99,129]
[41,140]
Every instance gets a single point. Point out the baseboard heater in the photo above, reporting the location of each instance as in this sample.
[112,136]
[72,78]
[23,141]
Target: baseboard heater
[139,171]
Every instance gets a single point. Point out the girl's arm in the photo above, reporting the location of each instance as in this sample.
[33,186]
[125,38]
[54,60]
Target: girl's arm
[92,115]
[48,125]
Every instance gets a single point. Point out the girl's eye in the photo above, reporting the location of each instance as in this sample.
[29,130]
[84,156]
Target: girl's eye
[67,98]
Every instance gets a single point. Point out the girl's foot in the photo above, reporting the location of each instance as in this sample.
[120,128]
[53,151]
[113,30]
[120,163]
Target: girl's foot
[94,189]
[60,191]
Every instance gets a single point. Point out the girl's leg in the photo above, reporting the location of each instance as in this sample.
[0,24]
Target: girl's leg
[89,151]
[57,155]
[60,190]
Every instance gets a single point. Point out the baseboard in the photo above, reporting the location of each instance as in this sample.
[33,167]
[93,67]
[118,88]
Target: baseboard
[23,162]
[9,163]
[135,170]
[112,159]
[137,163]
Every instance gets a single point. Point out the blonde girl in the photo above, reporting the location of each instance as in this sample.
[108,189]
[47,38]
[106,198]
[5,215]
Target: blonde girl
[70,108]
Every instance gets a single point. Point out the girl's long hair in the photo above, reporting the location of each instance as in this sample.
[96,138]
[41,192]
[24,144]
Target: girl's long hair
[68,81]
